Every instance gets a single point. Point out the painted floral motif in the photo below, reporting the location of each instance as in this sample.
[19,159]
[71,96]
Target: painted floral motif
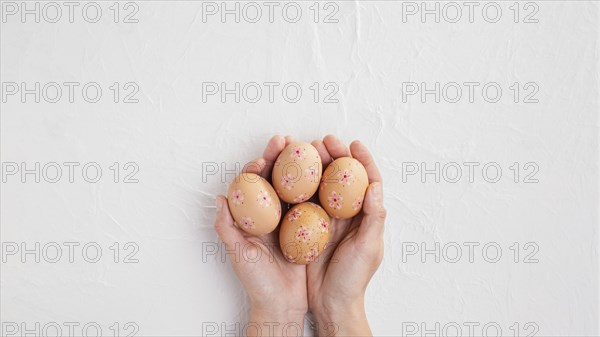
[237,197]
[264,199]
[287,182]
[335,200]
[345,177]
[301,198]
[297,152]
[311,255]
[303,234]
[294,215]
[247,222]
[289,257]
[311,174]
[324,225]
[357,204]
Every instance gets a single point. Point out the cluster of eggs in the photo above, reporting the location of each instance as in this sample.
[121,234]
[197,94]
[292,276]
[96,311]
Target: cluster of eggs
[297,175]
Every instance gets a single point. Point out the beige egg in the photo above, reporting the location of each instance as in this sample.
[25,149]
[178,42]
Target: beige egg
[304,233]
[343,188]
[297,172]
[254,204]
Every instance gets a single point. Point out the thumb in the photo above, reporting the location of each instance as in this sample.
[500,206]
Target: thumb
[225,226]
[373,221]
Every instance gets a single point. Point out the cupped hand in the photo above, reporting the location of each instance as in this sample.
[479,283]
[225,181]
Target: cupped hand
[276,288]
[337,281]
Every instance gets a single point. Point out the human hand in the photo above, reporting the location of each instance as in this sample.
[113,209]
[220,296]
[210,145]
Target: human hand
[276,288]
[337,281]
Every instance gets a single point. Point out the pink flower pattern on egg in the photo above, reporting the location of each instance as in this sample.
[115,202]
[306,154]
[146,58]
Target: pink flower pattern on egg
[287,182]
[301,198]
[335,200]
[294,215]
[303,234]
[289,257]
[247,222]
[357,204]
[237,197]
[297,152]
[311,255]
[324,225]
[345,177]
[311,174]
[264,199]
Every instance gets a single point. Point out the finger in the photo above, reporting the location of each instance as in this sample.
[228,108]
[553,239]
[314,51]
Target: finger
[289,140]
[362,154]
[225,226]
[263,166]
[258,166]
[315,271]
[272,151]
[372,225]
[339,231]
[335,147]
[271,239]
[274,148]
[325,157]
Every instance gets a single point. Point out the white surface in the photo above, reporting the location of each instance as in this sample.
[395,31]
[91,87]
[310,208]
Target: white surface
[369,53]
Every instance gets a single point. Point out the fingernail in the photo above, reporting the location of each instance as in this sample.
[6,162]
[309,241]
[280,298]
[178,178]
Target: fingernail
[219,204]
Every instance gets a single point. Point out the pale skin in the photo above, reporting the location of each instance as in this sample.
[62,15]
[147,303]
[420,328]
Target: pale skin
[333,287]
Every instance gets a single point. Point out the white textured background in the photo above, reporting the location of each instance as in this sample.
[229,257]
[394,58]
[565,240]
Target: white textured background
[176,288]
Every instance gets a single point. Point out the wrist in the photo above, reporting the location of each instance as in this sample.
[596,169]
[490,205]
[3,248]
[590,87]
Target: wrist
[327,307]
[338,315]
[269,322]
[347,319]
